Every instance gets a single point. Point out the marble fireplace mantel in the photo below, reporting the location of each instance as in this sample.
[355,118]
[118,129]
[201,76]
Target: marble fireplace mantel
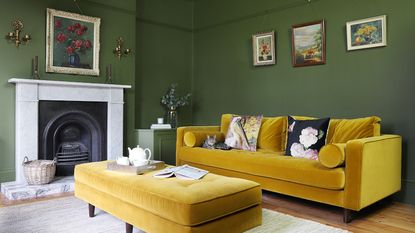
[30,91]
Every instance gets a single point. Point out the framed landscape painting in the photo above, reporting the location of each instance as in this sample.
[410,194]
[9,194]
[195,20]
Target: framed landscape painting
[263,46]
[308,44]
[366,33]
[72,43]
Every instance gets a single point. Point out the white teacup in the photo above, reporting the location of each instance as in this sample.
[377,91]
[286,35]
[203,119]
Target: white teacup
[140,162]
[123,161]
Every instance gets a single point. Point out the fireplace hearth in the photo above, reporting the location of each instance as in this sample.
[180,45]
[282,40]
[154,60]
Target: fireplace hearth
[73,132]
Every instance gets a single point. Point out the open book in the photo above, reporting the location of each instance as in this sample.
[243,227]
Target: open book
[185,172]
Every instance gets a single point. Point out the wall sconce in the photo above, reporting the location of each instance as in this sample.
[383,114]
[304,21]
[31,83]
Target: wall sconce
[14,36]
[119,50]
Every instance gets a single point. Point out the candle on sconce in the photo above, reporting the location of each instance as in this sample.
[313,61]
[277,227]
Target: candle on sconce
[35,67]
[36,63]
[109,73]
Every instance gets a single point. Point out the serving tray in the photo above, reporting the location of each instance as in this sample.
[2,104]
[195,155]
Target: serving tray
[152,165]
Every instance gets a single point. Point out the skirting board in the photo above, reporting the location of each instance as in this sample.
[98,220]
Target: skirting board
[7,175]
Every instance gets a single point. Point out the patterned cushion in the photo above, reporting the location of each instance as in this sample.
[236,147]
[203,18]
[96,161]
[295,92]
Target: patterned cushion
[306,137]
[243,132]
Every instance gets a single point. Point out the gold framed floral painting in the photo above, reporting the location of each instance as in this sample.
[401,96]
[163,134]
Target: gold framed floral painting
[366,33]
[72,43]
[263,45]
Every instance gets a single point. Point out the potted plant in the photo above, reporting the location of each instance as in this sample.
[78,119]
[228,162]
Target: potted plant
[172,103]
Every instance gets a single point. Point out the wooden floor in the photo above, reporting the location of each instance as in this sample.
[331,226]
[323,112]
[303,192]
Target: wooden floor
[385,216]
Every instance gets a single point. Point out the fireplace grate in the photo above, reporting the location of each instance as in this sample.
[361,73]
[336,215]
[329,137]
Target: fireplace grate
[71,154]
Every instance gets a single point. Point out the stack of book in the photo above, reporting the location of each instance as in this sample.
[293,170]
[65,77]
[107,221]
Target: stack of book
[160,126]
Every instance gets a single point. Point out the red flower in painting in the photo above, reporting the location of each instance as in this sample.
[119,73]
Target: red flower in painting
[69,50]
[78,43]
[71,28]
[61,37]
[58,24]
[72,37]
[79,32]
[87,44]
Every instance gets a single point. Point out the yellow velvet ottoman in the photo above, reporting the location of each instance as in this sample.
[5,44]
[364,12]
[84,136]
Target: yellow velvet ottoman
[213,204]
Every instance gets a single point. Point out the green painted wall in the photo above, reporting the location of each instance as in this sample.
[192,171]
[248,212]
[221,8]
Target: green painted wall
[376,81]
[164,56]
[117,19]
[205,47]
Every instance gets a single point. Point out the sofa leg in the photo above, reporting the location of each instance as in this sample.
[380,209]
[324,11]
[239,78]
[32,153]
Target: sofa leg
[347,215]
[128,228]
[91,210]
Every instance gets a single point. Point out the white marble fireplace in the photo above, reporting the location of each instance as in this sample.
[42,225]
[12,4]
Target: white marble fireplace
[30,91]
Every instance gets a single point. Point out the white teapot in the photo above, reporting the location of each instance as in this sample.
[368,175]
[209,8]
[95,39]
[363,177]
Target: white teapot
[138,153]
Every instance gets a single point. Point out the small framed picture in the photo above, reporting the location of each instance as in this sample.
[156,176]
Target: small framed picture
[263,46]
[308,44]
[72,43]
[366,33]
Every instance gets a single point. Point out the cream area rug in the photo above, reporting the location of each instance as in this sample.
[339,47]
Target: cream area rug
[70,215]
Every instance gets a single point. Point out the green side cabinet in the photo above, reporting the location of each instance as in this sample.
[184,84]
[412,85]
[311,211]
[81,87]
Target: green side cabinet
[161,142]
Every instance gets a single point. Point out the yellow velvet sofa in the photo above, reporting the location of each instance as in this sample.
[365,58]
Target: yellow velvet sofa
[367,168]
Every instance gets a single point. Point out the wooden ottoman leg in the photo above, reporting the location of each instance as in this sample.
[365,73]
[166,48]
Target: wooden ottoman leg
[91,210]
[128,228]
[347,215]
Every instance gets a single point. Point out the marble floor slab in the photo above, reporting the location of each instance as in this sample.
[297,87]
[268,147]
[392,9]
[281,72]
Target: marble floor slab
[19,191]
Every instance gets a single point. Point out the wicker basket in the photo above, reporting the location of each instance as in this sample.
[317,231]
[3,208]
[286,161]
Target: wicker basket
[39,171]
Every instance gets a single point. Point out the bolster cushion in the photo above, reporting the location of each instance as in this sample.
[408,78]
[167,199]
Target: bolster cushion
[332,155]
[196,138]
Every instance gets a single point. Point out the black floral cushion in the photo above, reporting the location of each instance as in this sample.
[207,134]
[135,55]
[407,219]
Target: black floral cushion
[306,137]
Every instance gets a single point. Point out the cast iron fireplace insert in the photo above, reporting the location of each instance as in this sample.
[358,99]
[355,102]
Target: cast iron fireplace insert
[72,131]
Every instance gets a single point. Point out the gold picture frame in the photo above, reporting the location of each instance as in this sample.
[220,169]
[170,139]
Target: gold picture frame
[72,43]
